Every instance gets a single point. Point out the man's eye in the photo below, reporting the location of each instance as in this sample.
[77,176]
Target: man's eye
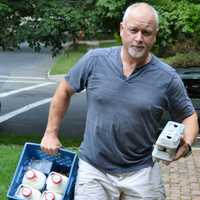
[146,33]
[133,31]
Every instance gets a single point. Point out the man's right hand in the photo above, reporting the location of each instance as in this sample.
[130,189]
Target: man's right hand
[50,143]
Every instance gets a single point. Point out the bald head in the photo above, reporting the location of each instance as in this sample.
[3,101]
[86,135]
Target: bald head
[142,8]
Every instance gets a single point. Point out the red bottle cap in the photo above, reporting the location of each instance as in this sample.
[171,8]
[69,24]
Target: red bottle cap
[49,196]
[56,178]
[26,192]
[30,174]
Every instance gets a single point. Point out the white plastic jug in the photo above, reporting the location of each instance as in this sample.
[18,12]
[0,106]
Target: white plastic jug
[26,192]
[34,178]
[57,182]
[50,195]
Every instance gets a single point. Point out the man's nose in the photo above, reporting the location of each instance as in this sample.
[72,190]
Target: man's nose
[139,36]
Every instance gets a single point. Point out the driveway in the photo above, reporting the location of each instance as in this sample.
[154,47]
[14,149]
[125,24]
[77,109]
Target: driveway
[26,92]
[25,62]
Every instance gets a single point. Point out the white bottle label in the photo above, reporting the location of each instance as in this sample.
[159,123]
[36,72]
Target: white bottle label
[57,182]
[28,193]
[50,195]
[35,179]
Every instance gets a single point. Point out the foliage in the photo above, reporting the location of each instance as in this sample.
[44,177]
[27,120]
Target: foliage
[52,23]
[179,21]
[110,14]
[8,24]
[184,60]
[111,9]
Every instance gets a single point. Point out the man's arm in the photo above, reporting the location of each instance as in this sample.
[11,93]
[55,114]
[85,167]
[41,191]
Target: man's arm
[50,142]
[190,133]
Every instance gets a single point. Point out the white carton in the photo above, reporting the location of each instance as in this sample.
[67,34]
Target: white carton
[168,142]
[34,178]
[57,182]
[26,192]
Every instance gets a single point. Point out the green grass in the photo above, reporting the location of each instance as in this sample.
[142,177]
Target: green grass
[13,139]
[109,44]
[63,62]
[9,158]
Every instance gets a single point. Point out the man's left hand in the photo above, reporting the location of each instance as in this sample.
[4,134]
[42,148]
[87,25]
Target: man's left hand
[183,149]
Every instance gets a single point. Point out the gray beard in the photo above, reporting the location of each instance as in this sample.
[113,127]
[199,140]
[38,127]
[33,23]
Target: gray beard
[134,53]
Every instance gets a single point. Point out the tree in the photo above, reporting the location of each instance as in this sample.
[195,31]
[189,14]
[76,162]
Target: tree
[179,23]
[8,26]
[52,23]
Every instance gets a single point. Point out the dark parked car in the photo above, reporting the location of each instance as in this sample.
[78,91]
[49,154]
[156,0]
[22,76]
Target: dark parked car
[191,80]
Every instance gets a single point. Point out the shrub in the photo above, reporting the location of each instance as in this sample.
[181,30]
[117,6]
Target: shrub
[184,60]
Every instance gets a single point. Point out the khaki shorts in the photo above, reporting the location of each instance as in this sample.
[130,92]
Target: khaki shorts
[92,184]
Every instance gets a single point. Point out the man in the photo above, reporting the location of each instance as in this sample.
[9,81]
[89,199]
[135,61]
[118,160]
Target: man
[127,91]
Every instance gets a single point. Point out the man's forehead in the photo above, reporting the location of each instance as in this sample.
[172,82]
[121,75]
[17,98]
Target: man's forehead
[141,17]
[140,22]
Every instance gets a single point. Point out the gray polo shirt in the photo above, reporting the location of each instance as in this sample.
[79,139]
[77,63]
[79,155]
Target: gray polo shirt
[124,113]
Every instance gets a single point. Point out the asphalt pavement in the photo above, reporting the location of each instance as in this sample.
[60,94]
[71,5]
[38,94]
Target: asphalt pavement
[25,62]
[26,91]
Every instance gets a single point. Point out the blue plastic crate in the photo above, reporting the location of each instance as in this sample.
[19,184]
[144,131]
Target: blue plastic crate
[65,160]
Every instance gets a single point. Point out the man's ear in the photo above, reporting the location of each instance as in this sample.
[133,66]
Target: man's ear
[157,34]
[121,28]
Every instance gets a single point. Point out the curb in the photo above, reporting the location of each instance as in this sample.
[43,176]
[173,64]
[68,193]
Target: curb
[56,78]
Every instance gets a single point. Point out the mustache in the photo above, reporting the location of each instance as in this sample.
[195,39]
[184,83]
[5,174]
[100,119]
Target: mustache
[137,46]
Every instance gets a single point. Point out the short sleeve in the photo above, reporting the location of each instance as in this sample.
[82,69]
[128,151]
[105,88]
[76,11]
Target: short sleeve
[179,104]
[78,75]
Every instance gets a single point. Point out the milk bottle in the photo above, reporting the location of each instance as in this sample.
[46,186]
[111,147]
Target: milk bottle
[50,195]
[57,182]
[26,192]
[34,178]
